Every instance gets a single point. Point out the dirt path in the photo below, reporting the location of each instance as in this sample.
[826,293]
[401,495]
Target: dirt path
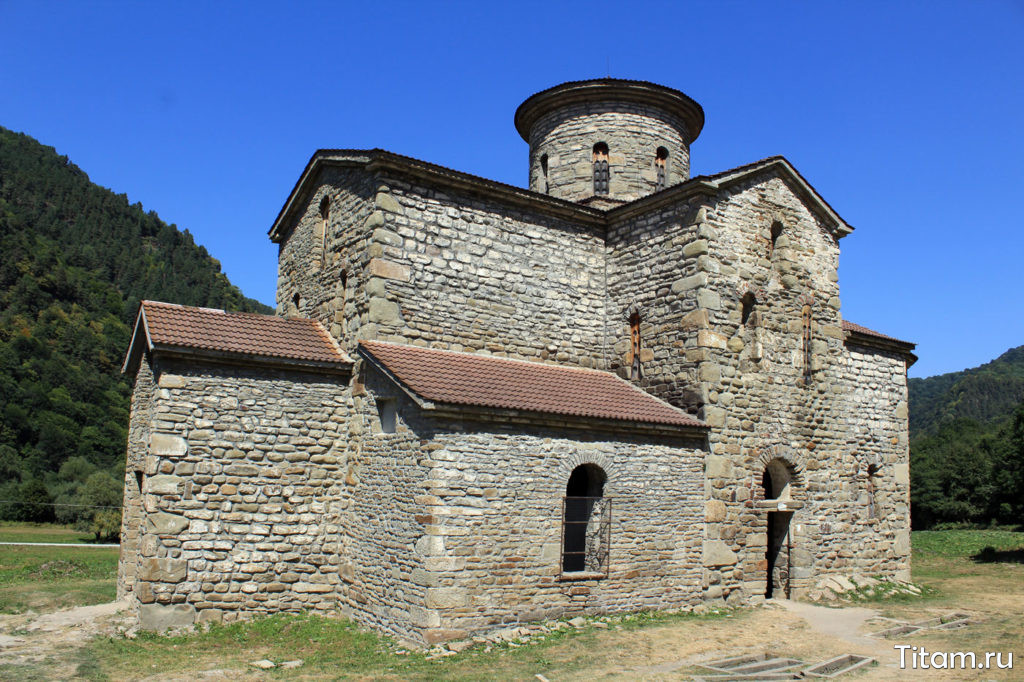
[28,639]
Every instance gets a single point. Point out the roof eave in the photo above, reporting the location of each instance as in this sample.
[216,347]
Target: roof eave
[248,359]
[903,348]
[374,160]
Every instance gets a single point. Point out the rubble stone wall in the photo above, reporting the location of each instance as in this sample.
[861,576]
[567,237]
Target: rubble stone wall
[633,133]
[240,492]
[460,272]
[459,529]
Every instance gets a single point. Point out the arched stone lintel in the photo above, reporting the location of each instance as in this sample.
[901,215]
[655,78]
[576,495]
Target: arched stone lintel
[793,461]
[566,466]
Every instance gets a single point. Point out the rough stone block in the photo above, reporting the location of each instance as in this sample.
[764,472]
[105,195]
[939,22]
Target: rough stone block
[164,485]
[901,474]
[691,282]
[163,616]
[386,202]
[446,598]
[717,466]
[163,570]
[717,553]
[710,339]
[714,511]
[165,445]
[163,523]
[171,381]
[383,311]
[696,248]
[387,269]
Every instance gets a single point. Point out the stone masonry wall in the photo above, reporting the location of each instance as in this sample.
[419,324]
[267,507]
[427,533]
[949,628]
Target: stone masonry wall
[325,272]
[879,485]
[241,493]
[656,268]
[460,272]
[457,524]
[633,133]
[140,425]
[765,403]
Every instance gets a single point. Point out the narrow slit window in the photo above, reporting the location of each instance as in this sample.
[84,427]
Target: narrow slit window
[325,217]
[807,339]
[871,484]
[776,232]
[747,316]
[661,168]
[387,410]
[544,171]
[635,370]
[601,172]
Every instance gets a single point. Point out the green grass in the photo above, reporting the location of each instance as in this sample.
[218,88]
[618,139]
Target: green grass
[341,649]
[50,578]
[42,532]
[963,543]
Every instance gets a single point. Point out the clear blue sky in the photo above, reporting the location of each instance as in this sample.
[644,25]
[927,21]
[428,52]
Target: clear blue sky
[906,116]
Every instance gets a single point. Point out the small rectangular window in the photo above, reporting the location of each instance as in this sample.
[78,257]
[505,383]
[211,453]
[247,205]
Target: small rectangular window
[387,409]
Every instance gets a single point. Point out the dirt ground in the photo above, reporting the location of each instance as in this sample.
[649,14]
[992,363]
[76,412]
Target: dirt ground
[56,645]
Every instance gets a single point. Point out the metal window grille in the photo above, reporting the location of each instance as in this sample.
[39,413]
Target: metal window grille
[601,176]
[586,534]
[661,176]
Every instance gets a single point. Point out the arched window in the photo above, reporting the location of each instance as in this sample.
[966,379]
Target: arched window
[661,167]
[586,521]
[747,317]
[601,173]
[297,303]
[325,217]
[776,232]
[544,171]
[635,370]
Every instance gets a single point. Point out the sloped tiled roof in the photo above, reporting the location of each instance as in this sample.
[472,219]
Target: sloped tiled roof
[171,326]
[464,379]
[857,329]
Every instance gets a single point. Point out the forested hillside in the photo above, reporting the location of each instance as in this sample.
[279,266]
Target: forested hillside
[967,444]
[76,261]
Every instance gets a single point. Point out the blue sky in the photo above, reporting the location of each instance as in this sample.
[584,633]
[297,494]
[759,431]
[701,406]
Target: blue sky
[905,116]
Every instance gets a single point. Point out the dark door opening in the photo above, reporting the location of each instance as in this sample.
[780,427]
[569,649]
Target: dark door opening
[777,551]
[777,555]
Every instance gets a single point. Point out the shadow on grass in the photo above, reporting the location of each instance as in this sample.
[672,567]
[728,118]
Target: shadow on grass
[991,555]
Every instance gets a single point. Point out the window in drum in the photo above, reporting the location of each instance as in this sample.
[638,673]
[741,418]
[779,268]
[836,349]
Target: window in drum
[601,172]
[661,168]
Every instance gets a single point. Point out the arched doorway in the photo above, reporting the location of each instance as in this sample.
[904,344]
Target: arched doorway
[585,518]
[775,482]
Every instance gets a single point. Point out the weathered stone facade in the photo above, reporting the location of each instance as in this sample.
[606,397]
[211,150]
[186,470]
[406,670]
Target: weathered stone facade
[267,488]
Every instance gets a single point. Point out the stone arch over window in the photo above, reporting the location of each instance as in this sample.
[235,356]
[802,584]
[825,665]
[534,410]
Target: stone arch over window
[661,168]
[787,464]
[602,175]
[585,521]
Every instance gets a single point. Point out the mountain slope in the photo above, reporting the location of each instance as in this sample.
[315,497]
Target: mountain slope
[77,259]
[981,394]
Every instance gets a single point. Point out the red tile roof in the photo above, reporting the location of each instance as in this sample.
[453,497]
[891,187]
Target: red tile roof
[170,326]
[857,329]
[484,381]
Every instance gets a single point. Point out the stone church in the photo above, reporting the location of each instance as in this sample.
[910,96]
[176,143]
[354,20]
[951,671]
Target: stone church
[622,388]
